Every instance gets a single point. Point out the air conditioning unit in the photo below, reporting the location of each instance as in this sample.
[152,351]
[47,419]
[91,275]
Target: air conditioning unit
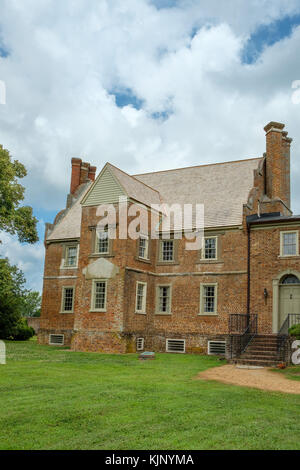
[175,345]
[56,340]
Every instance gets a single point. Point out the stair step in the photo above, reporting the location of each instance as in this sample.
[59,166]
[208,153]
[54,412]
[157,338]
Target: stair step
[255,352]
[260,358]
[257,362]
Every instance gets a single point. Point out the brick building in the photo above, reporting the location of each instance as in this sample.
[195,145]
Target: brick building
[122,295]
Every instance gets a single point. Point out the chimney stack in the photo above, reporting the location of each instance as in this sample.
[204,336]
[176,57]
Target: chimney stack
[278,163]
[82,172]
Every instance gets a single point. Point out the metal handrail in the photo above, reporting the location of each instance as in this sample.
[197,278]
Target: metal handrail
[283,333]
[242,330]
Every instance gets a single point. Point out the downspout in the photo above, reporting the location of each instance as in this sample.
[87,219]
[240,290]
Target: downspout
[248,268]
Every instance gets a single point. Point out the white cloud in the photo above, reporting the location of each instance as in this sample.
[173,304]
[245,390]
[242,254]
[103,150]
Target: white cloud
[66,58]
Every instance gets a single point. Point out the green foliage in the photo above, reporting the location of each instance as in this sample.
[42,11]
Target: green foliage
[53,398]
[22,331]
[295,331]
[31,304]
[13,218]
[12,292]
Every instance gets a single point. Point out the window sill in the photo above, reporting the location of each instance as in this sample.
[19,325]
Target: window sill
[210,261]
[69,267]
[101,255]
[67,312]
[288,256]
[167,263]
[208,314]
[163,313]
[143,260]
[97,311]
[141,313]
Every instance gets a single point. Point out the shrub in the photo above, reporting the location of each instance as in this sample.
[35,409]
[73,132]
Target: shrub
[295,331]
[22,332]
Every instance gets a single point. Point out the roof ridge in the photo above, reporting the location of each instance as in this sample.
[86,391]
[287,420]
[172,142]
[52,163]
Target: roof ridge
[133,176]
[196,166]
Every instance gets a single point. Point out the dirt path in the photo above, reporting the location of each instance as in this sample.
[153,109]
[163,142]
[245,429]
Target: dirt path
[264,378]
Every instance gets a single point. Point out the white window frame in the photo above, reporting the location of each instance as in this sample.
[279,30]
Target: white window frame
[96,247]
[175,339]
[57,344]
[62,309]
[202,286]
[281,242]
[214,341]
[144,300]
[65,265]
[203,248]
[146,247]
[161,259]
[93,296]
[157,311]
[138,347]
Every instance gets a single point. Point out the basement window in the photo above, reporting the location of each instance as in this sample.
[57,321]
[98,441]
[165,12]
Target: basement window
[216,348]
[175,345]
[140,344]
[56,340]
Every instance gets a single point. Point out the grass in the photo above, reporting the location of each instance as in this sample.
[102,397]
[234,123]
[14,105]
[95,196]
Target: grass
[52,398]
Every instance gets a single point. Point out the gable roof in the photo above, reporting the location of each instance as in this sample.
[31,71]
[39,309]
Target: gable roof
[223,188]
[112,183]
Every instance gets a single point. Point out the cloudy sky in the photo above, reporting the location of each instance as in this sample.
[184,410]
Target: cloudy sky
[146,85]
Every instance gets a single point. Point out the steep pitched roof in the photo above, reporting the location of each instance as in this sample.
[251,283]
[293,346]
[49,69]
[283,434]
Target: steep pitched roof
[113,182]
[69,225]
[223,188]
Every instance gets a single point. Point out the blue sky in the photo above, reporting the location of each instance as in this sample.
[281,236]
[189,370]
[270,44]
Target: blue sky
[146,85]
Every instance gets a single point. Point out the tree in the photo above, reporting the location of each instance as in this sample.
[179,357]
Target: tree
[31,304]
[12,325]
[15,219]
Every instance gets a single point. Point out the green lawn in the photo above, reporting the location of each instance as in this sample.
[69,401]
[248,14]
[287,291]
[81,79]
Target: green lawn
[52,398]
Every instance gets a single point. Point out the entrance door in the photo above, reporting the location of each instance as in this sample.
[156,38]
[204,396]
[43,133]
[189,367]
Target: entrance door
[289,297]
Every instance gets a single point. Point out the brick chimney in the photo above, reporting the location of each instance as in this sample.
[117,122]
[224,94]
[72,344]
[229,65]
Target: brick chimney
[81,173]
[278,163]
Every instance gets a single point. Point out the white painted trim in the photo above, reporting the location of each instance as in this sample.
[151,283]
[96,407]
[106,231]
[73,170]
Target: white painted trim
[214,341]
[144,300]
[93,298]
[62,310]
[282,233]
[157,311]
[56,344]
[201,306]
[137,344]
[203,248]
[175,339]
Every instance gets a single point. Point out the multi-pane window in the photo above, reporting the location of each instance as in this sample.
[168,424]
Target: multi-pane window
[99,295]
[71,256]
[164,299]
[143,247]
[67,299]
[210,248]
[289,242]
[102,245]
[208,299]
[167,250]
[141,289]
